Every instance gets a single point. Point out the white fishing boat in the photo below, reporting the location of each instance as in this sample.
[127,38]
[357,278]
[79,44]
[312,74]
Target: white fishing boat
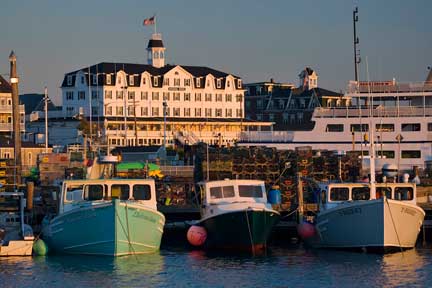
[16,237]
[382,217]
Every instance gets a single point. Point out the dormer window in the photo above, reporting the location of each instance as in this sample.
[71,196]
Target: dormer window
[218,83]
[155,81]
[155,55]
[69,80]
[228,83]
[198,83]
[239,83]
[108,79]
[94,79]
[82,79]
[131,80]
[144,80]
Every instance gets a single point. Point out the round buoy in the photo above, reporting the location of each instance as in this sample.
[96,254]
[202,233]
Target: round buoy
[40,248]
[306,230]
[196,235]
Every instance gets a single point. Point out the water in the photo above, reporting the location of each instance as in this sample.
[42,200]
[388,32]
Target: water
[289,266]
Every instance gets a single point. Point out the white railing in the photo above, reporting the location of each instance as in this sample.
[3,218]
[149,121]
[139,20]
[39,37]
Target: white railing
[379,111]
[267,136]
[179,171]
[389,87]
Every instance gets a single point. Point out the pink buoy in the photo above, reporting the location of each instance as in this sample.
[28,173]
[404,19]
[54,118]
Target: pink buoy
[306,230]
[197,235]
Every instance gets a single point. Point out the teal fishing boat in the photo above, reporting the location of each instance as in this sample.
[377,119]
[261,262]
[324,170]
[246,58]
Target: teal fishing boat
[111,217]
[236,215]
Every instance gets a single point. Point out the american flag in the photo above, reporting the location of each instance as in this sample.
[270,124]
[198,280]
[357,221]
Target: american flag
[149,21]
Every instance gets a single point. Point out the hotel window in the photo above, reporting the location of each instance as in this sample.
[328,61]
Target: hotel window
[410,127]
[167,111]
[281,104]
[239,98]
[228,112]
[95,110]
[119,94]
[208,112]
[81,95]
[358,128]
[108,79]
[131,80]
[198,112]
[176,111]
[94,79]
[144,81]
[208,97]
[176,82]
[198,83]
[69,95]
[108,111]
[197,96]
[95,95]
[386,153]
[131,95]
[131,111]
[228,98]
[155,81]
[239,112]
[166,82]
[239,83]
[187,97]
[218,83]
[155,111]
[285,118]
[218,97]
[259,117]
[384,127]
[335,128]
[144,95]
[186,82]
[166,96]
[218,112]
[187,112]
[415,154]
[176,96]
[144,111]
[155,95]
[271,117]
[228,83]
[208,83]
[119,80]
[69,80]
[68,109]
[82,79]
[429,127]
[119,111]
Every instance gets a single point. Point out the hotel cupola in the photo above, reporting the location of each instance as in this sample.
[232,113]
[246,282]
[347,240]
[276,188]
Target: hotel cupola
[156,51]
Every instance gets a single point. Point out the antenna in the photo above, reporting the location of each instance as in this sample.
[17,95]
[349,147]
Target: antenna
[356,42]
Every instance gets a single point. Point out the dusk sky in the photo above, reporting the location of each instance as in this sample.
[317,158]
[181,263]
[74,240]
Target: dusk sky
[256,40]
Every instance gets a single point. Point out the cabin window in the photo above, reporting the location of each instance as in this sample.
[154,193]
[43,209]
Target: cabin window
[380,191]
[250,191]
[410,127]
[74,193]
[120,191]
[335,128]
[141,192]
[221,192]
[404,193]
[93,192]
[411,154]
[359,128]
[360,193]
[339,194]
[384,127]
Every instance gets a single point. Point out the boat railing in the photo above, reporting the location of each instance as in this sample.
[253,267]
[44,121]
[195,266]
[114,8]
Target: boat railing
[377,111]
[388,87]
[267,136]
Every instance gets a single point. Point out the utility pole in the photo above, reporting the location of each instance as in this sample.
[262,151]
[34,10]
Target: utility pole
[16,117]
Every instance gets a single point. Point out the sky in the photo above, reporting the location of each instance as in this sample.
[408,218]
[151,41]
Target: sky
[254,39]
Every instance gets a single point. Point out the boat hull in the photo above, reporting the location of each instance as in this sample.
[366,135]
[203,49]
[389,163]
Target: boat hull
[377,225]
[111,228]
[17,248]
[245,230]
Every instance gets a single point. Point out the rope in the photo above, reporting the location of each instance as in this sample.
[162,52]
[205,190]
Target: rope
[124,230]
[250,233]
[394,226]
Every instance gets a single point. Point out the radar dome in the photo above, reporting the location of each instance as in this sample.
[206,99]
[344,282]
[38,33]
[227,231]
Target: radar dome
[389,170]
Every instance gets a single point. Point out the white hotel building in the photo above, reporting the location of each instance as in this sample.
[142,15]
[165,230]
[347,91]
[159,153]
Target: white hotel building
[129,100]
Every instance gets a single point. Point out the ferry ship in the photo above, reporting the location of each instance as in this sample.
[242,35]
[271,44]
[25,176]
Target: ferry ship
[400,113]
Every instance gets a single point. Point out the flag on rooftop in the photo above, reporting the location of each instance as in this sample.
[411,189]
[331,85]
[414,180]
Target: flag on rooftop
[149,21]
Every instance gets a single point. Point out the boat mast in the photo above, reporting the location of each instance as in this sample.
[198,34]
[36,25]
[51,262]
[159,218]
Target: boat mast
[46,120]
[356,41]
[371,140]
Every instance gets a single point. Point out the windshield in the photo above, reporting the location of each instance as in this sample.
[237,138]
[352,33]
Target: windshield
[254,191]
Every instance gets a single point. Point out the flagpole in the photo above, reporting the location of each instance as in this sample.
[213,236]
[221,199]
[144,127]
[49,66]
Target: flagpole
[154,23]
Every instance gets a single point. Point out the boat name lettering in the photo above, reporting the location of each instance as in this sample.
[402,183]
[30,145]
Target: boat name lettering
[142,215]
[350,211]
[408,211]
[81,217]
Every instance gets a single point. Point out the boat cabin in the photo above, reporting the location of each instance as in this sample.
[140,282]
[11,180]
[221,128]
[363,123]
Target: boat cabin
[100,190]
[335,193]
[232,191]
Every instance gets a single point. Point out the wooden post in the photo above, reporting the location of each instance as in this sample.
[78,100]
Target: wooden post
[300,197]
[30,194]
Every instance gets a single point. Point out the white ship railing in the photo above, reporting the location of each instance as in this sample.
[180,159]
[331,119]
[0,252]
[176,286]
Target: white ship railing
[378,111]
[388,87]
[267,136]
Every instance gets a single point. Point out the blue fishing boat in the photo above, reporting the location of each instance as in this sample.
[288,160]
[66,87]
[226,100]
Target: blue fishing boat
[111,217]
